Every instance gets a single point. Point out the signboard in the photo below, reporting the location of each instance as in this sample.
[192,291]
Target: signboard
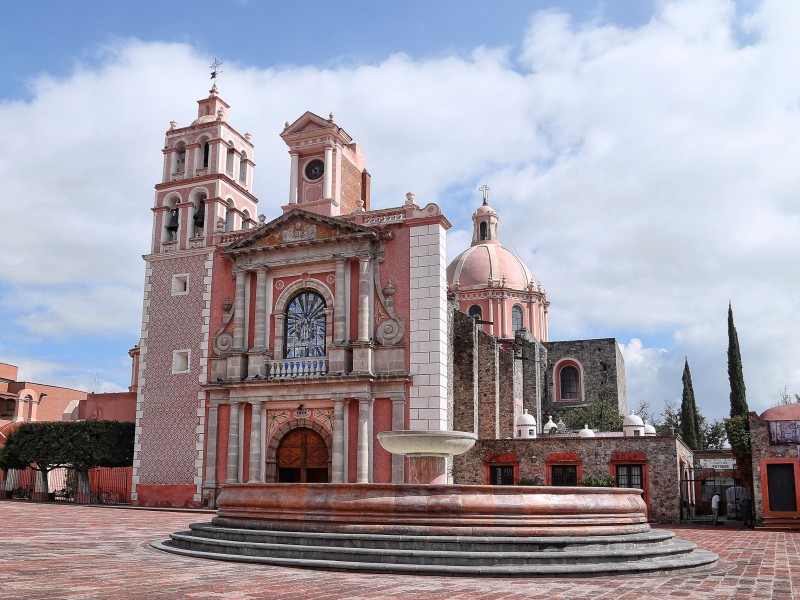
[719,464]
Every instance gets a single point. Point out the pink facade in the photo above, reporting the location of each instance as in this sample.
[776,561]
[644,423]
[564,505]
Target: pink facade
[277,351]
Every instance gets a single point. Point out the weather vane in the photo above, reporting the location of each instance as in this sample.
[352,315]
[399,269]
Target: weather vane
[485,189]
[215,71]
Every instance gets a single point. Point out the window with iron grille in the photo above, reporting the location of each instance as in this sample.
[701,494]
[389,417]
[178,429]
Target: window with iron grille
[501,475]
[629,476]
[569,382]
[563,475]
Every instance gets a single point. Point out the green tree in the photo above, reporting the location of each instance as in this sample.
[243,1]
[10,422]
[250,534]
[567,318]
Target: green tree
[79,444]
[690,426]
[602,414]
[735,374]
[714,436]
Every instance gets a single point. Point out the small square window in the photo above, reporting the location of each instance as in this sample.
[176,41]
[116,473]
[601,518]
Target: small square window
[180,284]
[180,361]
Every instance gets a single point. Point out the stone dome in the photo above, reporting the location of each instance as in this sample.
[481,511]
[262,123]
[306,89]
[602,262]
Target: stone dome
[480,263]
[586,432]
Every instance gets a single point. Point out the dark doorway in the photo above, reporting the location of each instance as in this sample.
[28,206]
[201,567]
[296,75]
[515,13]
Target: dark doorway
[780,485]
[302,457]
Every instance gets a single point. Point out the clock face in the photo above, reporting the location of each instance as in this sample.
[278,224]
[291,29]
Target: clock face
[315,169]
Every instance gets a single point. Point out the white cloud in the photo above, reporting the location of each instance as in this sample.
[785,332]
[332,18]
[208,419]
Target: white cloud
[647,175]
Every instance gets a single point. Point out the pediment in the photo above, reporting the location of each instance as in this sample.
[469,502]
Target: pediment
[300,227]
[312,124]
[307,122]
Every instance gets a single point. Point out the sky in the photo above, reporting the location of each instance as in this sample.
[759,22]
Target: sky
[643,157]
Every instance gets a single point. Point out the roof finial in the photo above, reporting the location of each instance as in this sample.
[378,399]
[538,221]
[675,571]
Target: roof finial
[215,71]
[485,189]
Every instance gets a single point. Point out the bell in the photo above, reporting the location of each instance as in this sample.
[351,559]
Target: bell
[200,214]
[173,221]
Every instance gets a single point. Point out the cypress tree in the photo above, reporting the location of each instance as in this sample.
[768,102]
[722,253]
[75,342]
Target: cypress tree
[735,375]
[690,418]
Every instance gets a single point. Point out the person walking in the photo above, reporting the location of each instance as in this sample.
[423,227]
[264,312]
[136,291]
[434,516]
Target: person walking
[715,508]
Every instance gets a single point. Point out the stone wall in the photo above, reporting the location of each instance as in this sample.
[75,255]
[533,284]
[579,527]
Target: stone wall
[602,368]
[596,456]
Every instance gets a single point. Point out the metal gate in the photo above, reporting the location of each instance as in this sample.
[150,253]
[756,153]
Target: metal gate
[699,485]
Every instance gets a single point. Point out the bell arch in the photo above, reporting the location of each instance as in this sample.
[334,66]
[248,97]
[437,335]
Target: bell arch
[274,442]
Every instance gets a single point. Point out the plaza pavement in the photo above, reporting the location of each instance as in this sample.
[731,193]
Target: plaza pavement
[66,551]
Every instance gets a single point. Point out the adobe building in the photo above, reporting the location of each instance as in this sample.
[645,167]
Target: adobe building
[27,401]
[277,350]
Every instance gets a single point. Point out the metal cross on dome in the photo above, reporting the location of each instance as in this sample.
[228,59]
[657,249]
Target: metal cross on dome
[215,70]
[485,189]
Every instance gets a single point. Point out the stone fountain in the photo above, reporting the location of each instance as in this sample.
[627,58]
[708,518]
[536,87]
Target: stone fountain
[430,527]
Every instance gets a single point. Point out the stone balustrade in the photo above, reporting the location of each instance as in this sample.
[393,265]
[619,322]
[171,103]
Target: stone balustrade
[291,368]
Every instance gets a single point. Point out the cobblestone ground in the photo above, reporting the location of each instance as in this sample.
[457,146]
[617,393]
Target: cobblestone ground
[65,551]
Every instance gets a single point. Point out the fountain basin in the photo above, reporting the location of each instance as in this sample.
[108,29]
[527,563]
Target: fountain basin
[427,443]
[433,509]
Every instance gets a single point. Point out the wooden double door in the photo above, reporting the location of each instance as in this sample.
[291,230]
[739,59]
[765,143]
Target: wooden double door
[303,457]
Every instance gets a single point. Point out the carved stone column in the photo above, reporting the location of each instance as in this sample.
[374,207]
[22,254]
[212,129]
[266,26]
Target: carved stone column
[237,365]
[327,177]
[238,315]
[211,446]
[232,475]
[339,319]
[256,443]
[255,359]
[362,349]
[398,424]
[259,338]
[338,474]
[364,459]
[293,178]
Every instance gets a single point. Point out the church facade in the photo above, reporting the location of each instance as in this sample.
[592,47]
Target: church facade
[276,351]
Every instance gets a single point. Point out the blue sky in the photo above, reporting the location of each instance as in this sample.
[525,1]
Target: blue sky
[642,156]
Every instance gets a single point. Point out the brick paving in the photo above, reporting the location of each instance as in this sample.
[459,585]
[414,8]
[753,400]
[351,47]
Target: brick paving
[66,551]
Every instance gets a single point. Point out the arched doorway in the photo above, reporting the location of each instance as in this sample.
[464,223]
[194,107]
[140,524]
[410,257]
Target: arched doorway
[302,457]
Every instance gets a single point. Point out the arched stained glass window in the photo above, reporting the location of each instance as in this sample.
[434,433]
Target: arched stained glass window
[305,326]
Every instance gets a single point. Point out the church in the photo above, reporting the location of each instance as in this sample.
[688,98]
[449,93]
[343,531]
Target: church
[276,350]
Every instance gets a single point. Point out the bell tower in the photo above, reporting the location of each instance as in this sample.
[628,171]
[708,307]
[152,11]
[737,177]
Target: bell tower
[327,174]
[203,201]
[206,181]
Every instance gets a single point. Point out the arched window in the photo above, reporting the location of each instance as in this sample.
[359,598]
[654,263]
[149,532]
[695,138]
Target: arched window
[179,158]
[569,377]
[172,220]
[475,312]
[484,233]
[199,214]
[243,169]
[205,155]
[516,318]
[229,159]
[245,219]
[305,326]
